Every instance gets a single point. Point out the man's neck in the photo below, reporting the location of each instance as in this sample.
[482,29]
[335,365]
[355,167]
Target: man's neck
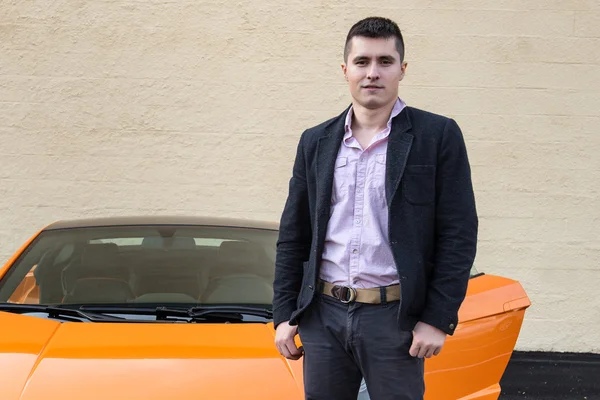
[371,120]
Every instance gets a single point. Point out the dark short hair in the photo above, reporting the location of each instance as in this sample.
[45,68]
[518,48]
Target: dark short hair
[375,27]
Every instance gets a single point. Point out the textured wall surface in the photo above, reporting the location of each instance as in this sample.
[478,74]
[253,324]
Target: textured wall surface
[113,107]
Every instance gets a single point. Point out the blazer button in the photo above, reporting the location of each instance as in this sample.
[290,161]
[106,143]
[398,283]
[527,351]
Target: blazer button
[451,326]
[310,287]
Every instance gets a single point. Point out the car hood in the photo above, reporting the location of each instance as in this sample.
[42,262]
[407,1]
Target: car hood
[46,359]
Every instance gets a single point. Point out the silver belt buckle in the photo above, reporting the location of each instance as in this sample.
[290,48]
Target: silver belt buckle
[344,294]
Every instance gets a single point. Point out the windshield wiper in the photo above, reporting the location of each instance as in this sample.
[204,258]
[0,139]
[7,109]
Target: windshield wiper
[68,314]
[230,313]
[199,311]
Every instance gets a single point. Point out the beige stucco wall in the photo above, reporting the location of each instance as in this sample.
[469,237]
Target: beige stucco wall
[195,107]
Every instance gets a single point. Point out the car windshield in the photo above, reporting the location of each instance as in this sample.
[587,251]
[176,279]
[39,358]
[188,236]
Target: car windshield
[188,265]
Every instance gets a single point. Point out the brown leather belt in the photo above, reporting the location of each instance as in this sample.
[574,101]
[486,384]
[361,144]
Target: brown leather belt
[347,294]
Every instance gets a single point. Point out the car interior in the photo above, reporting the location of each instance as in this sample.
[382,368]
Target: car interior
[159,270]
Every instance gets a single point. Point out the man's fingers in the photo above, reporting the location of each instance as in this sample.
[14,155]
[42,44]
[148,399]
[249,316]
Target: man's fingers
[283,350]
[289,350]
[427,341]
[414,349]
[418,350]
[430,352]
[422,351]
[295,352]
[284,341]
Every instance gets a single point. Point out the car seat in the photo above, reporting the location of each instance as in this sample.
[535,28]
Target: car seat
[237,276]
[99,277]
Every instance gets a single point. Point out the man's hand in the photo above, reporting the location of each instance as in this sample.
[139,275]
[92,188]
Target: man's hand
[284,340]
[427,341]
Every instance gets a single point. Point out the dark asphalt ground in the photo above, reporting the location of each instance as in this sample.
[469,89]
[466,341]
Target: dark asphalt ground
[540,397]
[552,376]
[534,397]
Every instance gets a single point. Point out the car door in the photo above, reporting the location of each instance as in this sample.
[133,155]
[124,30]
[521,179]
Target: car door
[473,360]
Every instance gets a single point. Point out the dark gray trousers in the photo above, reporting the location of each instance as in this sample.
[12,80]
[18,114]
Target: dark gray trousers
[345,342]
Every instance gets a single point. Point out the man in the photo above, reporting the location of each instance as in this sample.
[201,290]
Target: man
[377,236]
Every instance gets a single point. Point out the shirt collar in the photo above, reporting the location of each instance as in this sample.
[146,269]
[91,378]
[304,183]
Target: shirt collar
[398,107]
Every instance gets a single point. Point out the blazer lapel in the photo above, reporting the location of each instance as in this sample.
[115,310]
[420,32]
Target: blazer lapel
[399,144]
[327,150]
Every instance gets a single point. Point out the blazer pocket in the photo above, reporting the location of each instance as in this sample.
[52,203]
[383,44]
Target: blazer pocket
[419,184]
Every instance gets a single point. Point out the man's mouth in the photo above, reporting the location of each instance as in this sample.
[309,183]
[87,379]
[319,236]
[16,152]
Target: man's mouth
[372,87]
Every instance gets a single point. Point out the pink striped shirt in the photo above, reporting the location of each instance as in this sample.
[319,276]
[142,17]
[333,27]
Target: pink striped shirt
[357,251]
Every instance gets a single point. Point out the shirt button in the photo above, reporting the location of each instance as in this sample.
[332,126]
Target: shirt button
[355,251]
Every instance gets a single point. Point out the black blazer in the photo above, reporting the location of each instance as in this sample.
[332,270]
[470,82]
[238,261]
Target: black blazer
[433,221]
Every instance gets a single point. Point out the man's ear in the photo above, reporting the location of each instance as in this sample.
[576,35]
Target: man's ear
[344,68]
[403,70]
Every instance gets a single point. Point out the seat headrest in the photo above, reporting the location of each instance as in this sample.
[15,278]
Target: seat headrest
[239,252]
[240,288]
[99,260]
[100,254]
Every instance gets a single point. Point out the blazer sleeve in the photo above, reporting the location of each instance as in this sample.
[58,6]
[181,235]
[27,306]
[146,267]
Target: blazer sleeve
[294,242]
[456,224]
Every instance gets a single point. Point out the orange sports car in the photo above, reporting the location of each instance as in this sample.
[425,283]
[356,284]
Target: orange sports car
[180,308]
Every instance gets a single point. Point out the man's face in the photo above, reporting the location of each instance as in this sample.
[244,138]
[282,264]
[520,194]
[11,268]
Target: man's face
[373,71]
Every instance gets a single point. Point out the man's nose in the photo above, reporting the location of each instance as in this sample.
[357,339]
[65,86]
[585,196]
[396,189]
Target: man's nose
[373,72]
